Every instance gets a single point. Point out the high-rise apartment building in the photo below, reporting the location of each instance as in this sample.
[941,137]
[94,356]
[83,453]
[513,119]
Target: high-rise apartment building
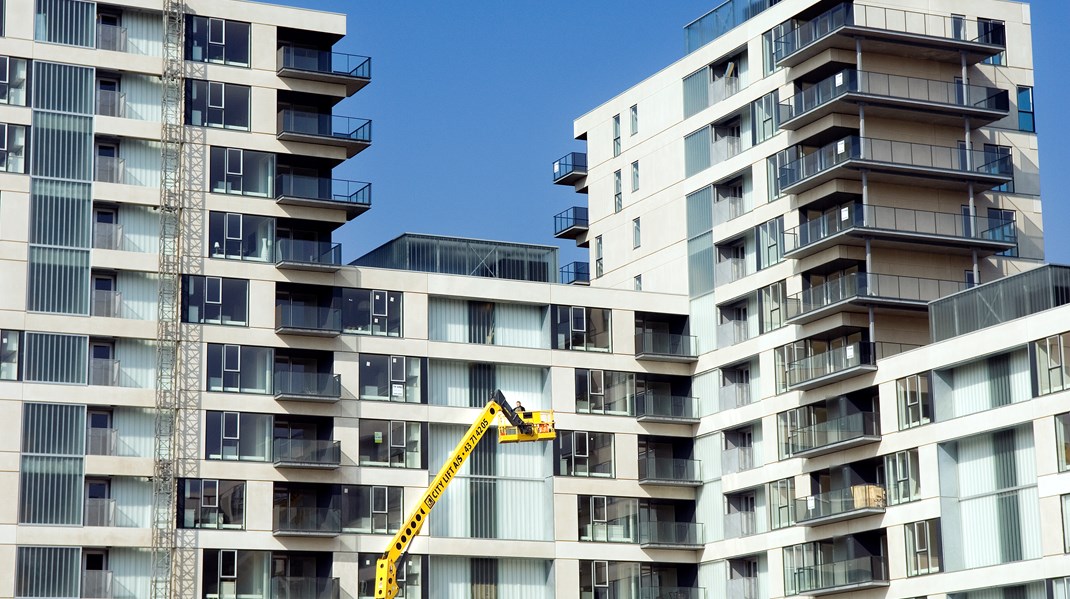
[754,396]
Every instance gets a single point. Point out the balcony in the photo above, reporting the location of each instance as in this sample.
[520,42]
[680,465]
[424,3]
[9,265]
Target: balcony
[108,169]
[111,103]
[838,577]
[842,504]
[734,395]
[576,273]
[740,524]
[732,332]
[307,453]
[737,459]
[570,168]
[316,256]
[311,321]
[306,522]
[107,304]
[293,587]
[350,133]
[97,584]
[729,270]
[651,406]
[99,512]
[308,386]
[742,588]
[111,37]
[107,236]
[355,197]
[891,31]
[728,208]
[665,347]
[888,226]
[669,471]
[571,223]
[833,365]
[104,372]
[670,535]
[835,435]
[662,592]
[724,148]
[101,441]
[897,162]
[867,289]
[929,101]
[350,70]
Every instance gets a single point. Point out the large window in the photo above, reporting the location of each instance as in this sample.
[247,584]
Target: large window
[234,236]
[901,476]
[233,573]
[217,104]
[12,148]
[51,484]
[209,503]
[392,378]
[579,328]
[13,78]
[1051,368]
[391,443]
[1062,440]
[215,300]
[239,368]
[764,112]
[10,341]
[608,519]
[1026,117]
[371,312]
[782,503]
[217,40]
[923,547]
[238,436]
[372,509]
[242,172]
[914,400]
[582,453]
[770,242]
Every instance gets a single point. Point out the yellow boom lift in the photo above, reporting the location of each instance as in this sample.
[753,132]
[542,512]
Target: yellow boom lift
[513,427]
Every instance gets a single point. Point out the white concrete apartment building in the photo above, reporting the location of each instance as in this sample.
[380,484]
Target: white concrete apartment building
[741,431]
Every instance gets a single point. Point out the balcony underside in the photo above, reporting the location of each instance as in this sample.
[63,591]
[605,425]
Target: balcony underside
[832,377]
[848,515]
[352,146]
[352,209]
[307,533]
[908,240]
[858,586]
[922,111]
[667,419]
[306,465]
[307,332]
[896,43]
[859,303]
[309,266]
[669,545]
[570,178]
[314,397]
[669,482]
[839,445]
[353,84]
[573,232]
[900,174]
[657,357]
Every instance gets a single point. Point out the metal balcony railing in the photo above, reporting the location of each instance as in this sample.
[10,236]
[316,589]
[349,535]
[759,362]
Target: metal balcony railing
[650,404]
[737,459]
[104,372]
[839,502]
[111,103]
[831,362]
[101,441]
[294,587]
[99,512]
[734,395]
[572,218]
[839,574]
[312,385]
[312,521]
[299,317]
[323,189]
[311,452]
[653,343]
[325,62]
[669,470]
[324,253]
[836,430]
[301,122]
[573,163]
[97,584]
[107,236]
[108,169]
[740,524]
[870,285]
[108,304]
[575,273]
[670,533]
[111,37]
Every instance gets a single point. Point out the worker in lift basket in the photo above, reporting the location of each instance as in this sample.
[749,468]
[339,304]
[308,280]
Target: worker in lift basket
[519,409]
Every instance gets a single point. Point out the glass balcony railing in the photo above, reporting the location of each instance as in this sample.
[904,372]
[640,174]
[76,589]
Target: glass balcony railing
[315,319]
[325,62]
[851,572]
[831,432]
[107,236]
[323,189]
[312,452]
[737,459]
[672,593]
[732,332]
[929,91]
[669,470]
[670,533]
[654,405]
[107,304]
[724,148]
[901,220]
[840,502]
[740,524]
[831,362]
[308,385]
[728,208]
[870,285]
[111,103]
[729,270]
[297,587]
[108,169]
[570,167]
[104,372]
[101,441]
[328,126]
[734,395]
[742,588]
[572,219]
[311,521]
[666,345]
[299,251]
[97,584]
[888,19]
[111,37]
[99,512]
[576,273]
[906,154]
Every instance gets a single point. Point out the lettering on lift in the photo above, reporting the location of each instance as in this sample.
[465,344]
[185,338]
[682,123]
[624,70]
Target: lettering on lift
[433,494]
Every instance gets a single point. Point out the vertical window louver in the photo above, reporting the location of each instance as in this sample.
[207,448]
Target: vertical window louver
[54,358]
[69,22]
[47,571]
[50,477]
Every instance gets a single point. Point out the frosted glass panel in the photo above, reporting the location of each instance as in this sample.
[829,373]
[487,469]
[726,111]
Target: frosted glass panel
[47,571]
[62,146]
[70,22]
[700,212]
[52,358]
[53,429]
[50,490]
[63,87]
[60,213]
[697,152]
[58,280]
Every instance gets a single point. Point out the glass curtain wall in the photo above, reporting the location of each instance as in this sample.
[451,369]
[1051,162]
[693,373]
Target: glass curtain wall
[51,472]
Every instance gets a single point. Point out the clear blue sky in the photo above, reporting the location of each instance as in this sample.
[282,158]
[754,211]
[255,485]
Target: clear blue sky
[472,101]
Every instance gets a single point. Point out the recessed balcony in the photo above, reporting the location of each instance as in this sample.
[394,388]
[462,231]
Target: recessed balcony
[842,504]
[312,321]
[651,406]
[350,133]
[576,273]
[99,512]
[860,290]
[104,372]
[740,524]
[306,522]
[900,227]
[97,584]
[317,256]
[839,577]
[670,535]
[570,168]
[897,162]
[925,100]
[307,386]
[665,592]
[355,197]
[304,587]
[831,366]
[836,434]
[307,453]
[106,303]
[665,347]
[891,31]
[108,169]
[111,103]
[669,471]
[112,38]
[571,224]
[737,459]
[350,70]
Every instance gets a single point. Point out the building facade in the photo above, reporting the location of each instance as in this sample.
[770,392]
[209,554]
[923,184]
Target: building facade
[203,401]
